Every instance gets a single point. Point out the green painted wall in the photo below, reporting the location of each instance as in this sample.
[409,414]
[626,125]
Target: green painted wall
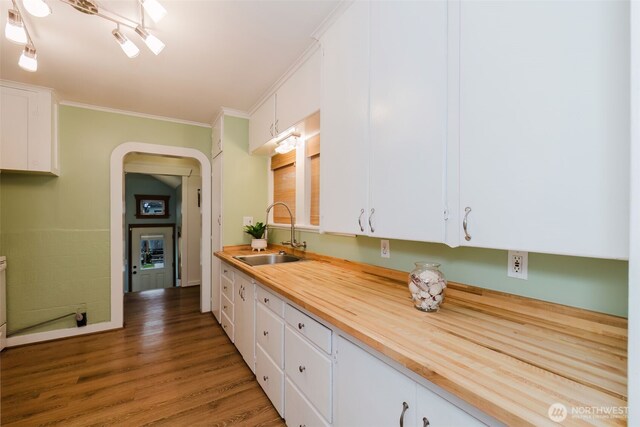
[244,182]
[593,284]
[55,230]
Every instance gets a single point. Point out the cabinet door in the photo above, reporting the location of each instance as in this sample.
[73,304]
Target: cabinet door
[17,112]
[344,125]
[261,124]
[408,119]
[245,320]
[216,232]
[544,126]
[370,392]
[299,96]
[440,412]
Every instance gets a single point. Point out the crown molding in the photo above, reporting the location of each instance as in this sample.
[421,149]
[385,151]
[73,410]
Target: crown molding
[133,114]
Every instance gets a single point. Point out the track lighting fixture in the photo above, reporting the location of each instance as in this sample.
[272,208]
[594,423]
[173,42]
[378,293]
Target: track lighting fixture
[17,31]
[14,30]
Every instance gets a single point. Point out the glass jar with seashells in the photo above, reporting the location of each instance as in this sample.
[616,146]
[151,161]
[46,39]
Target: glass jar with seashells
[427,285]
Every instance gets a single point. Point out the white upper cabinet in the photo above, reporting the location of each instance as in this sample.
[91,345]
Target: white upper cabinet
[298,97]
[345,123]
[408,119]
[384,117]
[28,129]
[544,126]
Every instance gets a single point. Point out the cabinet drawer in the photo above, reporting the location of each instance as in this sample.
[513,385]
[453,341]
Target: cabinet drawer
[316,332]
[227,288]
[227,272]
[227,325]
[299,412]
[310,370]
[271,379]
[270,300]
[270,334]
[227,307]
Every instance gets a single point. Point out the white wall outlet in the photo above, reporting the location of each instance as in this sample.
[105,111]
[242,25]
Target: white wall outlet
[247,220]
[385,250]
[518,264]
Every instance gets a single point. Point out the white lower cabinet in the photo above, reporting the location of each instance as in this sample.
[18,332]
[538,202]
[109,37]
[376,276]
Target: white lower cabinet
[371,393]
[300,412]
[271,379]
[244,319]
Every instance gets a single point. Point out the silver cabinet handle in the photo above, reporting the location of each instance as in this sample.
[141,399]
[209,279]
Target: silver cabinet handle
[425,422]
[405,406]
[467,236]
[265,333]
[360,220]
[302,368]
[276,127]
[300,325]
[266,300]
[271,129]
[220,222]
[370,218]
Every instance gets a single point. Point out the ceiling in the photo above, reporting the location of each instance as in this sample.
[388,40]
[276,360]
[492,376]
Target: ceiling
[218,53]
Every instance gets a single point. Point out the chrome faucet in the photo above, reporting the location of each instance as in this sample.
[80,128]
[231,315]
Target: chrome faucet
[293,242]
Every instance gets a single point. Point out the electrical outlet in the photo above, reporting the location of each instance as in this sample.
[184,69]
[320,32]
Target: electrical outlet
[385,250]
[517,264]
[247,220]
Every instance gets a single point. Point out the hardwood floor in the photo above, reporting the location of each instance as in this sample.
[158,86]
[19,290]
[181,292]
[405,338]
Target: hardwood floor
[170,365]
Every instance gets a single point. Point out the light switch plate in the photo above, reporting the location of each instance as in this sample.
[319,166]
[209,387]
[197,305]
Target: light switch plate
[247,220]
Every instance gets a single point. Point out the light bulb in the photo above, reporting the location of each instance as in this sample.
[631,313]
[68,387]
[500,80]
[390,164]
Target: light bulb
[128,47]
[14,30]
[28,60]
[37,8]
[153,43]
[155,10]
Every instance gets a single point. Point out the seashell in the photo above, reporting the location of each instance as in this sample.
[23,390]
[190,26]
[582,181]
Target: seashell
[413,288]
[428,276]
[436,288]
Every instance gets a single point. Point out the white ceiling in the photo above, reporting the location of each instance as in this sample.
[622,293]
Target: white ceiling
[218,53]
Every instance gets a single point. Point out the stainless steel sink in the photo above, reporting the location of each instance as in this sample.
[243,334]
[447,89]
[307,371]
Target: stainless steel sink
[264,259]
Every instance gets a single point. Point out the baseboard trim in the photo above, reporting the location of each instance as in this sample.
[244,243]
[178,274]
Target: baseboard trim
[60,333]
[192,283]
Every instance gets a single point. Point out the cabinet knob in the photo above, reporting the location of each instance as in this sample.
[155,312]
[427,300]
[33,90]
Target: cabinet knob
[265,333]
[300,325]
[224,325]
[467,236]
[265,378]
[405,406]
[224,307]
[425,422]
[225,271]
[301,368]
[224,287]
[266,300]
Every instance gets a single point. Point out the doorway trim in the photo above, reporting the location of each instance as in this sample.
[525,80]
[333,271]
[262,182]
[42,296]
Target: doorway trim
[117,212]
[130,246]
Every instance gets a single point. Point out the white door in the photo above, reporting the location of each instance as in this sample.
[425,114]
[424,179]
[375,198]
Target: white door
[544,126]
[151,258]
[359,374]
[408,119]
[344,169]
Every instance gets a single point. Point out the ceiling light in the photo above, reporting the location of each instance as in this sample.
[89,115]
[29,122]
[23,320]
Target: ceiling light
[155,10]
[153,43]
[287,142]
[129,48]
[28,60]
[37,8]
[14,30]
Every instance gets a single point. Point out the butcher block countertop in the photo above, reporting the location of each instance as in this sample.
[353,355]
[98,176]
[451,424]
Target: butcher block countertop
[511,357]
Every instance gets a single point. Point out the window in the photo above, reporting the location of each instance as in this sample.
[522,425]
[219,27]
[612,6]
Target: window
[295,177]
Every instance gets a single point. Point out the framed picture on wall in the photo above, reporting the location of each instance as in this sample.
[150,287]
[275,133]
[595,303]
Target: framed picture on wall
[152,206]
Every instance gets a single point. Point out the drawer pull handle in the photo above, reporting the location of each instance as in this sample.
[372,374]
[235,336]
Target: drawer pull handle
[266,378]
[303,425]
[405,406]
[467,236]
[302,368]
[300,325]
[266,300]
[265,333]
[425,422]
[370,219]
[360,220]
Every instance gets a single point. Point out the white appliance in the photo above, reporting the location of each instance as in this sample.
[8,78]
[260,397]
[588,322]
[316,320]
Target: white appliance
[3,303]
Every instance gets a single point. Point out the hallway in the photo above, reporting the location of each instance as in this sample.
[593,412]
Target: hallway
[170,365]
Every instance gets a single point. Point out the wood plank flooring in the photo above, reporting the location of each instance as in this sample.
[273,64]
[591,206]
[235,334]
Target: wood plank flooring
[170,365]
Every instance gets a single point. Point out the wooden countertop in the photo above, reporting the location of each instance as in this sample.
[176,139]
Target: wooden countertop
[511,357]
